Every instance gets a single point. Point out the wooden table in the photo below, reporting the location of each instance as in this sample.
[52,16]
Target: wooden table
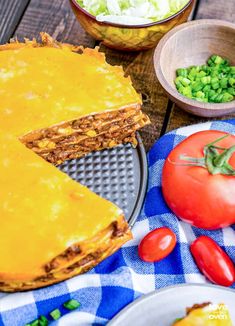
[26,18]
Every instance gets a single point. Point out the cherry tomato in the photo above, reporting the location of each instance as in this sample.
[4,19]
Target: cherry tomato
[213,262]
[192,192]
[157,244]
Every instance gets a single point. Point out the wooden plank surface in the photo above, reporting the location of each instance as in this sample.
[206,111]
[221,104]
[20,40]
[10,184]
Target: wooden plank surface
[11,12]
[213,10]
[54,17]
[217,9]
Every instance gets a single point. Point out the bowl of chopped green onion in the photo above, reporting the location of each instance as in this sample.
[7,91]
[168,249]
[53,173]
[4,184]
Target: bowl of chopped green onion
[195,64]
[130,25]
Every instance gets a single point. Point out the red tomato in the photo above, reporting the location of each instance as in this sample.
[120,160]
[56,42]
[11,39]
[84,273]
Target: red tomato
[157,244]
[213,262]
[194,194]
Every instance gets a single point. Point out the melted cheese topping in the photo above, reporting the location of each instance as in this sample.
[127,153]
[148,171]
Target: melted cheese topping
[40,87]
[42,210]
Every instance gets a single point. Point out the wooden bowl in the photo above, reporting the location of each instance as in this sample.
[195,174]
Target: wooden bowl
[192,44]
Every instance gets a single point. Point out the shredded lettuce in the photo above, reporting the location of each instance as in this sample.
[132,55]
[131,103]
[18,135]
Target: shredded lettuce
[131,12]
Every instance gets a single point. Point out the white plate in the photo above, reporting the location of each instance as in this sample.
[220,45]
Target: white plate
[162,307]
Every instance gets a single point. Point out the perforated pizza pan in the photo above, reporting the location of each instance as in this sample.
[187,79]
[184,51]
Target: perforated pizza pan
[118,174]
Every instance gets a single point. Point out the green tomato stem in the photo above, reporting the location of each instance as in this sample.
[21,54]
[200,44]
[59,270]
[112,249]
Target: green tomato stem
[214,161]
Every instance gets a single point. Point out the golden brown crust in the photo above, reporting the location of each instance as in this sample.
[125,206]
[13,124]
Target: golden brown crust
[46,40]
[77,259]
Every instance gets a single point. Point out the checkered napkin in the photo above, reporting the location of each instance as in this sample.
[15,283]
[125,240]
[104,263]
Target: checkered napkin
[123,277]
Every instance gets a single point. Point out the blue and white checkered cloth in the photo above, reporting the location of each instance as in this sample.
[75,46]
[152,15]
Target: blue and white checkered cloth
[123,277]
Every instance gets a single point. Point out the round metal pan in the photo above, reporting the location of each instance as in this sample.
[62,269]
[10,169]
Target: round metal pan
[119,174]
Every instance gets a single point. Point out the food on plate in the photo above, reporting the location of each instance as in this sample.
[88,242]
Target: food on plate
[205,314]
[157,245]
[132,12]
[61,102]
[198,179]
[213,82]
[213,261]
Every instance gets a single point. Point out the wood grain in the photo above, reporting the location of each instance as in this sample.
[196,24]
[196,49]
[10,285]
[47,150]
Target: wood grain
[216,9]
[11,12]
[206,9]
[56,18]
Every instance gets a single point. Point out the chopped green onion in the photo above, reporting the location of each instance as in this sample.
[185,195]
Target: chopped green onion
[215,85]
[71,304]
[182,72]
[43,321]
[207,88]
[232,81]
[201,74]
[197,86]
[200,94]
[206,80]
[213,82]
[224,82]
[55,314]
[232,70]
[231,91]
[35,323]
[218,60]
[227,97]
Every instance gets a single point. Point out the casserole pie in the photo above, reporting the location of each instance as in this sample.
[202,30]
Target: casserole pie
[57,102]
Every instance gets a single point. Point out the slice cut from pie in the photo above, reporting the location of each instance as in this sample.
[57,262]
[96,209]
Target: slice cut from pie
[60,102]
[66,101]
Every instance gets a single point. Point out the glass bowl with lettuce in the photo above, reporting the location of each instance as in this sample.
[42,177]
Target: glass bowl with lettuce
[130,25]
